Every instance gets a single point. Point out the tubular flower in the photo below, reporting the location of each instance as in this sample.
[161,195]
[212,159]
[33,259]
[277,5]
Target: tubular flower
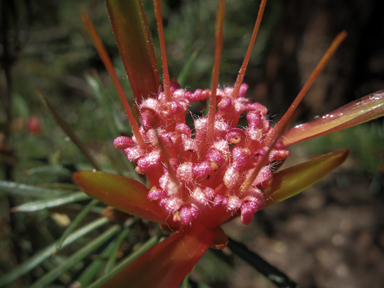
[191,179]
[203,176]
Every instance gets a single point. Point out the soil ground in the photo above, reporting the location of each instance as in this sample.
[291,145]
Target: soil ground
[329,236]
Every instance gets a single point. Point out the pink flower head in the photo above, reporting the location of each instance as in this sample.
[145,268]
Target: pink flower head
[182,167]
[202,176]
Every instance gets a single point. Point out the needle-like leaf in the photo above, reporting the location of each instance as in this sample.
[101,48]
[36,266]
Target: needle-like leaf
[24,190]
[76,222]
[75,258]
[48,203]
[63,125]
[187,68]
[147,245]
[112,259]
[94,268]
[115,124]
[57,170]
[43,254]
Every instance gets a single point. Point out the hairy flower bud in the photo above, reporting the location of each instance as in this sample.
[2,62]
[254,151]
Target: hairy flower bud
[198,178]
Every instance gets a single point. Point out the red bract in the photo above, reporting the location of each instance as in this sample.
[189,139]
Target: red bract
[200,180]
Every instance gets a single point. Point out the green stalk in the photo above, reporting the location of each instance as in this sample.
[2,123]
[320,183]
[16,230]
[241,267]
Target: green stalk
[146,246]
[78,256]
[75,222]
[48,251]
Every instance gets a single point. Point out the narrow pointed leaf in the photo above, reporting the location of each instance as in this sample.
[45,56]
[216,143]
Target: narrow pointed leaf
[133,39]
[112,259]
[186,69]
[75,258]
[185,283]
[168,262]
[90,272]
[293,180]
[63,125]
[24,190]
[57,170]
[365,109]
[104,101]
[44,204]
[76,222]
[127,195]
[48,251]
[50,264]
[72,210]
[145,247]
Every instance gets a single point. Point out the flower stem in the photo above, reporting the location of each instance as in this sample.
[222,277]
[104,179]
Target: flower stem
[240,77]
[319,67]
[160,28]
[273,137]
[109,66]
[216,70]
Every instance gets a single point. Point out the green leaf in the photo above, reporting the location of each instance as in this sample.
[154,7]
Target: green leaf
[270,272]
[147,245]
[58,170]
[75,258]
[168,262]
[133,39]
[75,222]
[187,67]
[44,204]
[51,263]
[24,190]
[203,285]
[89,274]
[365,109]
[112,259]
[293,180]
[185,283]
[48,252]
[67,129]
[20,107]
[127,195]
[104,100]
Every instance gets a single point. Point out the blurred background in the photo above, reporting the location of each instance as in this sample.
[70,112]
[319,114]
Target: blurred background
[330,236]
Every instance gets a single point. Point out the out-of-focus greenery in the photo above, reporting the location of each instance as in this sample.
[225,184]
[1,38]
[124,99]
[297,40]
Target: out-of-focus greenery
[366,158]
[365,143]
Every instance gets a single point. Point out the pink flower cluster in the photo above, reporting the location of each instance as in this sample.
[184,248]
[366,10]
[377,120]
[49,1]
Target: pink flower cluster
[191,178]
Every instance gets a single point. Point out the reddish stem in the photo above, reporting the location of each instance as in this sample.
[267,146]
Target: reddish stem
[109,66]
[216,70]
[240,77]
[319,67]
[273,137]
[159,20]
